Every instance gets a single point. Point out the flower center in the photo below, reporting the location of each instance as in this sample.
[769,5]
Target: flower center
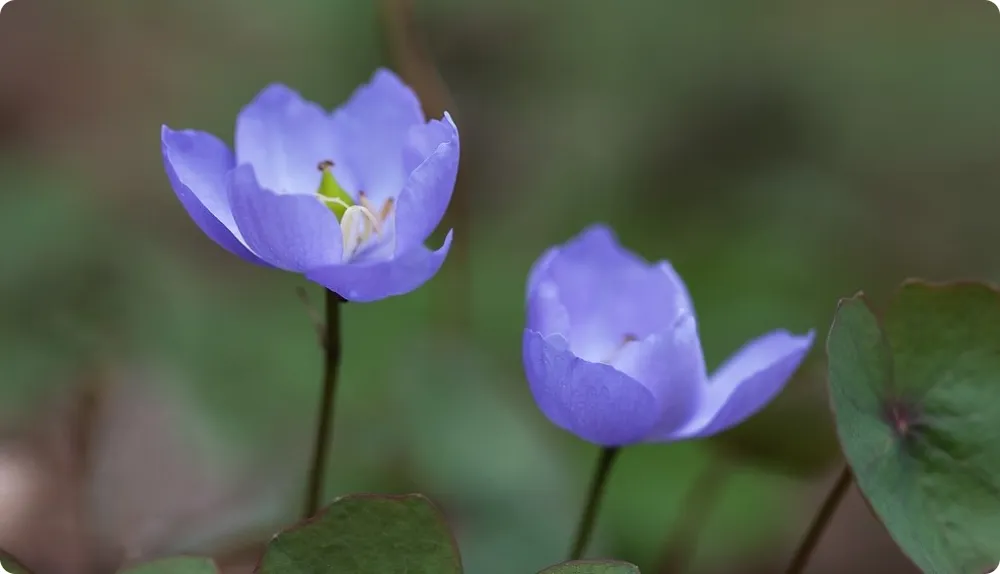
[359,222]
[626,340]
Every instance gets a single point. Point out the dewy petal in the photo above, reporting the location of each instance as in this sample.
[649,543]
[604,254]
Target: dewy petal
[609,293]
[285,137]
[371,281]
[372,130]
[196,164]
[425,197]
[747,382]
[290,231]
[671,365]
[591,400]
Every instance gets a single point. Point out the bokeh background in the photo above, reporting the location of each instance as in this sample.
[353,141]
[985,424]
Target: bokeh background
[158,394]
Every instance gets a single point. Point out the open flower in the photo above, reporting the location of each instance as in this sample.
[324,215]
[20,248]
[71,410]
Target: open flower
[347,199]
[612,354]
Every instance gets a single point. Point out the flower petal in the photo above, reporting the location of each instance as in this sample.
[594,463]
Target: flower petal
[293,232]
[371,281]
[671,365]
[285,137]
[546,314]
[425,197]
[608,292]
[747,382]
[539,271]
[372,130]
[683,296]
[591,400]
[196,164]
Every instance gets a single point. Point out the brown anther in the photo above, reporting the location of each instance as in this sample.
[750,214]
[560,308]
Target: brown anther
[365,202]
[383,213]
[628,338]
[325,165]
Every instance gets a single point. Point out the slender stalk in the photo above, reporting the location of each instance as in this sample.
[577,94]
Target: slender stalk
[699,501]
[597,484]
[324,426]
[819,524]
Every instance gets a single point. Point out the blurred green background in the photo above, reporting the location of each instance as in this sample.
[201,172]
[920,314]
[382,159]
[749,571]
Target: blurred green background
[781,154]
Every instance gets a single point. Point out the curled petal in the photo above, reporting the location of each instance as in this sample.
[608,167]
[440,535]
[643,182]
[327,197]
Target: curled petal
[682,295]
[290,231]
[608,292]
[285,137]
[428,190]
[591,400]
[539,271]
[371,281]
[372,128]
[546,314]
[196,164]
[671,365]
[747,382]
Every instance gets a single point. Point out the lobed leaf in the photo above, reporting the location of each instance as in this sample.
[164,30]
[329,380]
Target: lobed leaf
[367,534]
[592,567]
[176,565]
[915,400]
[12,565]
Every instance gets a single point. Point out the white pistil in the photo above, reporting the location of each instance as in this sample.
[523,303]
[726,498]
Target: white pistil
[357,226]
[358,222]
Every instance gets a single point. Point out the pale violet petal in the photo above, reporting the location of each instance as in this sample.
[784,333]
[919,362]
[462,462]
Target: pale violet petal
[371,281]
[749,380]
[293,232]
[591,400]
[196,164]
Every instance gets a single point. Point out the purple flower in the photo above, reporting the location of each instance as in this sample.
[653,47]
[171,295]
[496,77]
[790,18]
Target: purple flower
[611,350]
[346,198]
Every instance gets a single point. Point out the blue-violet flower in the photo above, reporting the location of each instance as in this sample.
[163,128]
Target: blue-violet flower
[612,354]
[345,198]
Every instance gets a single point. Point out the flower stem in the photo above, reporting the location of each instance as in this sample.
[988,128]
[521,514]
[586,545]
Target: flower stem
[324,426]
[697,505]
[586,526]
[819,524]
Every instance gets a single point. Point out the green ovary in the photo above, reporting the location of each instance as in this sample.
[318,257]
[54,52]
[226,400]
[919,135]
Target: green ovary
[336,198]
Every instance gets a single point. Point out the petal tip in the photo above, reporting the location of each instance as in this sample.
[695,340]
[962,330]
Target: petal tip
[275,92]
[538,269]
[599,230]
[386,82]
[446,117]
[600,238]
[382,74]
[804,341]
[446,245]
[170,138]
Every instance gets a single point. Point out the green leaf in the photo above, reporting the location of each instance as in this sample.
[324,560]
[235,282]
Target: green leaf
[367,534]
[176,565]
[11,564]
[915,402]
[592,567]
